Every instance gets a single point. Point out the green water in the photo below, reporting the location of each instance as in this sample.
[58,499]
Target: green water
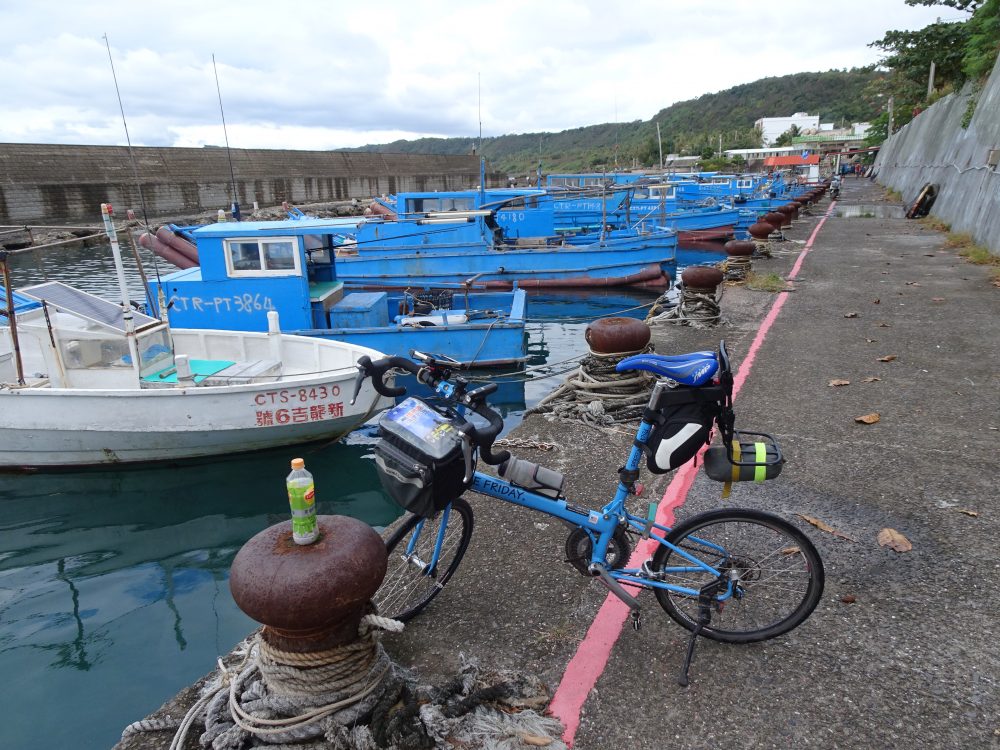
[114,589]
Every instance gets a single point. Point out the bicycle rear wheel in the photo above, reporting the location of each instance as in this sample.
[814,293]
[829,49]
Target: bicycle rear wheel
[778,572]
[412,578]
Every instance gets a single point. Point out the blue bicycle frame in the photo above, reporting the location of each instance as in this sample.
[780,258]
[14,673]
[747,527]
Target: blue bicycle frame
[600,525]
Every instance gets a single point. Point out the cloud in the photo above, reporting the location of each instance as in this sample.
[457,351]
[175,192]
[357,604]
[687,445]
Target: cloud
[336,74]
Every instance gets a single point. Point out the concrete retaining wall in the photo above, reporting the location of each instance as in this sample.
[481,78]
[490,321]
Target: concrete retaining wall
[935,148]
[44,184]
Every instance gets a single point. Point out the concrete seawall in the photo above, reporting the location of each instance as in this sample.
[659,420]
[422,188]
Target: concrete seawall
[935,148]
[53,183]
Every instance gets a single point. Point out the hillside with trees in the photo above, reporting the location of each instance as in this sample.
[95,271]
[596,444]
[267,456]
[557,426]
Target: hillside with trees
[690,127]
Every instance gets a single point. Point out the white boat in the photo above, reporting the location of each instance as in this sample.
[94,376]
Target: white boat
[90,383]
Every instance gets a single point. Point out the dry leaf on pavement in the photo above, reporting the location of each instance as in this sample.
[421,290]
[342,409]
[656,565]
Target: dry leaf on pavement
[851,315]
[894,540]
[872,379]
[868,418]
[837,382]
[973,513]
[823,526]
[937,299]
[888,358]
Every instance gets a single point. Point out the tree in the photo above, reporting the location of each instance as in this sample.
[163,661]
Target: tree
[984,41]
[785,139]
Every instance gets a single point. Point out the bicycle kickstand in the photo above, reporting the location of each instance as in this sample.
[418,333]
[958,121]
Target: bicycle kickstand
[705,599]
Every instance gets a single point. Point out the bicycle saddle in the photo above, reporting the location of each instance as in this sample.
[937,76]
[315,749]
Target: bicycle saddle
[695,369]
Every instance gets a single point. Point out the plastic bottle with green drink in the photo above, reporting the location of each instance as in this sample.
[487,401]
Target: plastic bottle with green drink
[302,499]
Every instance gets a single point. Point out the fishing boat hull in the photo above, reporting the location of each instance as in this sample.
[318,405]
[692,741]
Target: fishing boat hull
[594,264]
[48,428]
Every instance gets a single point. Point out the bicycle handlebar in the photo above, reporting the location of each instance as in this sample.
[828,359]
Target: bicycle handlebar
[430,375]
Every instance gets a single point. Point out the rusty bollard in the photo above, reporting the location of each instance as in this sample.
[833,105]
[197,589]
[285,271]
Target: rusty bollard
[614,335]
[700,295]
[760,234]
[777,220]
[738,264]
[309,598]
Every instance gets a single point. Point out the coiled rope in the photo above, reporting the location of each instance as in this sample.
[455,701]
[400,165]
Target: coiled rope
[698,308]
[597,395]
[370,703]
[736,267]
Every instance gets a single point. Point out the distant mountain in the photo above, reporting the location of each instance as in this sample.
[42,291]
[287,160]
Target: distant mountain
[688,127]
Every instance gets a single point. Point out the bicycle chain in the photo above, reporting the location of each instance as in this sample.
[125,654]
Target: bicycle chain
[521,443]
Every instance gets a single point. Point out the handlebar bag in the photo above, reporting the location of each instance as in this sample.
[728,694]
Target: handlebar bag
[682,424]
[419,457]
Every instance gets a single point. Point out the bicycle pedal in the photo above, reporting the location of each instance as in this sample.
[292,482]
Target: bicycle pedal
[636,620]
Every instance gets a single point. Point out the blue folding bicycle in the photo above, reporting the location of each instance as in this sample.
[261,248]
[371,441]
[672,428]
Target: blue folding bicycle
[733,575]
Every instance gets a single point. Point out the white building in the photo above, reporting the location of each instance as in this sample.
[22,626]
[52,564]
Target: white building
[772,127]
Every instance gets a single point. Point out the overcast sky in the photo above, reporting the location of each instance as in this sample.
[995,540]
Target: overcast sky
[311,75]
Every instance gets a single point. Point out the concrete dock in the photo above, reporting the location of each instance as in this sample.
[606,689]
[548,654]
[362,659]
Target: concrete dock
[902,651]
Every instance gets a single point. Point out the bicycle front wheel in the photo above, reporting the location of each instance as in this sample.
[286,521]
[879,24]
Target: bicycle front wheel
[777,572]
[414,576]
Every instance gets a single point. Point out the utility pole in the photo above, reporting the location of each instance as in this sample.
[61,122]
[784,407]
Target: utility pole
[890,115]
[659,141]
[930,82]
[720,145]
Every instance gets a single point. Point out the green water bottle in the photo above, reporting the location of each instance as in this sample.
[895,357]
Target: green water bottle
[302,498]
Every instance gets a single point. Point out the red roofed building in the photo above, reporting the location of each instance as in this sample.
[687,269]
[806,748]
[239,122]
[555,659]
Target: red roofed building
[791,161]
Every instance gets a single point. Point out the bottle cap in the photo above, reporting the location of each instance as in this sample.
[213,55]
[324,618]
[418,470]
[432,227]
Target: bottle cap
[298,463]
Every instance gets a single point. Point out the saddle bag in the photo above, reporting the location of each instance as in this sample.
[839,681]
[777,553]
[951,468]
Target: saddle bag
[682,424]
[420,458]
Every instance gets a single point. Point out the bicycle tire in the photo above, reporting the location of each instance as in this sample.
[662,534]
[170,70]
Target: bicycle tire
[754,540]
[408,587]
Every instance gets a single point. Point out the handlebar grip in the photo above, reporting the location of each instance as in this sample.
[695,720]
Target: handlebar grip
[377,370]
[485,438]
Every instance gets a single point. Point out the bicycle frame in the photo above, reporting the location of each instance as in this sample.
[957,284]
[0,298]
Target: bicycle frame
[601,525]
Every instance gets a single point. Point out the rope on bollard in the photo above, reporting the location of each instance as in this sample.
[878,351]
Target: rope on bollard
[736,267]
[699,308]
[368,703]
[597,395]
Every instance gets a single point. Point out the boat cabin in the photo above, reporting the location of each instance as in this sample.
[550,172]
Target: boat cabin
[71,339]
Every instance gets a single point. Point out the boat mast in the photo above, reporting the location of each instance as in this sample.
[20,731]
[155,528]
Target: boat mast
[129,321]
[229,153]
[11,318]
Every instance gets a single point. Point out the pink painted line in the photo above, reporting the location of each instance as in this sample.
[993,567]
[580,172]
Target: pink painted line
[591,657]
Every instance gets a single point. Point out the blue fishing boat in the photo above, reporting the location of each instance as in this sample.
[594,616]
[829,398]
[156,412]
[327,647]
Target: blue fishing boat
[250,268]
[500,237]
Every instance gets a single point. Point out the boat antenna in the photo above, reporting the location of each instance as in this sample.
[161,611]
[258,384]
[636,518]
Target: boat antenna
[232,173]
[135,177]
[480,75]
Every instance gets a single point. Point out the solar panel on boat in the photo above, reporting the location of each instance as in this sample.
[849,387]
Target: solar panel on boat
[74,300]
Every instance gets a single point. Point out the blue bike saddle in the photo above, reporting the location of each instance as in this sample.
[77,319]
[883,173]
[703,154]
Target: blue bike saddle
[696,368]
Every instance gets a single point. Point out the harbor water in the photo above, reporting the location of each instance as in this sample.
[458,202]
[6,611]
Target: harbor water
[114,587]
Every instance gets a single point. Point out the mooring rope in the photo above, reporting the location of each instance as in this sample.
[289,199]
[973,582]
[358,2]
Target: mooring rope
[598,395]
[699,308]
[736,267]
[375,703]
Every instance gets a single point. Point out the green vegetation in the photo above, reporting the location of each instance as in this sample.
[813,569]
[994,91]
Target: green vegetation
[766,282]
[688,128]
[976,254]
[959,240]
[962,52]
[934,223]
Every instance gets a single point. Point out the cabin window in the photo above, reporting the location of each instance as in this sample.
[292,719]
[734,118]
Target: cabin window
[270,257]
[744,184]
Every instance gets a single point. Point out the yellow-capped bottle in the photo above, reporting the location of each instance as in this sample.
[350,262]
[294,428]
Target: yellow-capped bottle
[302,499]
